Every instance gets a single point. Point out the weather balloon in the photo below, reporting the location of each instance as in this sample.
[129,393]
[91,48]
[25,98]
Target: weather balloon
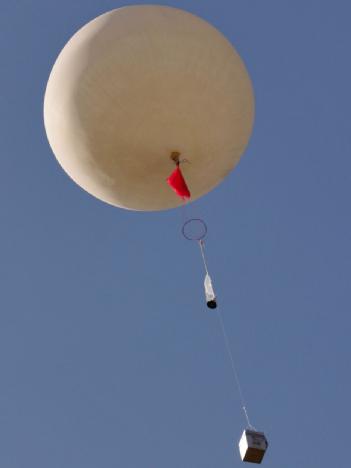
[147,98]
[136,85]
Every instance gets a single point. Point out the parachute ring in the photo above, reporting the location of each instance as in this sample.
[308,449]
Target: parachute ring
[194,229]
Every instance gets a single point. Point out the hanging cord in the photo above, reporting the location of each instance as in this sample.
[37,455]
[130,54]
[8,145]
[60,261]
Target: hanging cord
[202,250]
[227,345]
[235,373]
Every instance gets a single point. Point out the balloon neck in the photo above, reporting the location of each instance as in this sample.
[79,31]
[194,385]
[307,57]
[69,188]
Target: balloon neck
[175,157]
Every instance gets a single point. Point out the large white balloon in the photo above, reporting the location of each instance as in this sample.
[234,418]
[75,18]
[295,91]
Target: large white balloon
[133,86]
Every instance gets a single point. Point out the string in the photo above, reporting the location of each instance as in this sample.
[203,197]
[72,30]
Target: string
[235,372]
[202,250]
[227,346]
[226,342]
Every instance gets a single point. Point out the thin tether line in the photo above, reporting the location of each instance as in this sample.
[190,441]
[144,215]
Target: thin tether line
[227,346]
[201,245]
[235,372]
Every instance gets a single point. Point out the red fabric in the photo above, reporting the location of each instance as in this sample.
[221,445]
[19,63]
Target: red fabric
[178,184]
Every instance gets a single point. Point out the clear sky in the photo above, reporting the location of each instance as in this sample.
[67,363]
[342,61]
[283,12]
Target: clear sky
[108,355]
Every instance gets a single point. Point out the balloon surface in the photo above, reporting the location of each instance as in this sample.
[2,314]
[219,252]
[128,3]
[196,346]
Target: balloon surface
[134,86]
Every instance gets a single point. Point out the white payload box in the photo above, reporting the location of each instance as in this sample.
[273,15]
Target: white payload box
[252,446]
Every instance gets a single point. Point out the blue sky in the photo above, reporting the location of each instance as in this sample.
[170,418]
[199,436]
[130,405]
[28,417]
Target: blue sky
[108,355]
